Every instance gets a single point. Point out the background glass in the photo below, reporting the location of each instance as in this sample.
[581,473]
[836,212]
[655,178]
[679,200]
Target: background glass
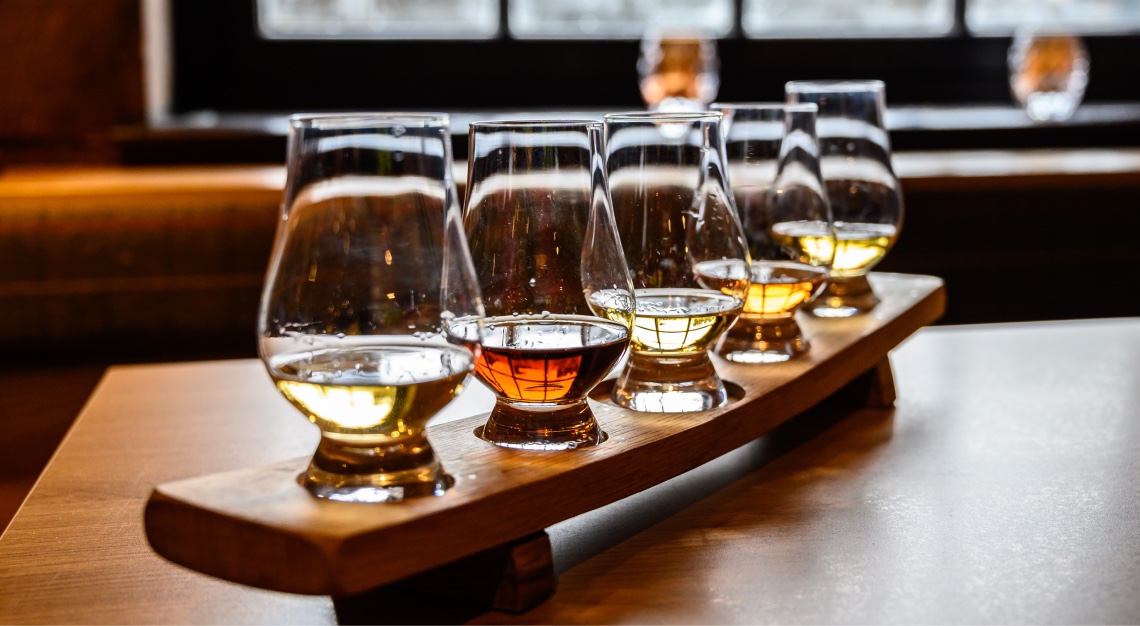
[558,295]
[368,268]
[865,195]
[1048,74]
[678,71]
[773,165]
[685,250]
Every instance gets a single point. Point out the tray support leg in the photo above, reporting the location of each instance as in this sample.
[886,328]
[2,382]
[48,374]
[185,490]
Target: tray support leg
[514,577]
[877,386]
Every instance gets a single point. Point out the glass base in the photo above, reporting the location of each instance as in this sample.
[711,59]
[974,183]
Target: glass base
[674,384]
[844,297]
[541,427]
[762,340]
[1052,106]
[382,473]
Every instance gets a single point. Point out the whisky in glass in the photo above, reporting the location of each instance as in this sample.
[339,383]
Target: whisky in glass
[685,250]
[368,269]
[773,164]
[679,71]
[558,295]
[863,191]
[1048,74]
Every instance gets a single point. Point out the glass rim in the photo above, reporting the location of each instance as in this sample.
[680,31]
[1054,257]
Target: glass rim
[788,107]
[651,116]
[531,123]
[834,86]
[369,119]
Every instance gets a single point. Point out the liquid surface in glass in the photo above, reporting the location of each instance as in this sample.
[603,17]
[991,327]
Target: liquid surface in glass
[864,231]
[779,287]
[681,321]
[547,358]
[855,247]
[758,215]
[371,392]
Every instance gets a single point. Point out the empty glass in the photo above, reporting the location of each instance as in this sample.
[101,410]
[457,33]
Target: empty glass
[866,201]
[685,250]
[558,294]
[773,165]
[368,269]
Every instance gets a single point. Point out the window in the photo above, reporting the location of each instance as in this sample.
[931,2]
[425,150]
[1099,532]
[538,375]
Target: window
[843,18]
[378,19]
[1079,16]
[617,19]
[293,55]
[630,19]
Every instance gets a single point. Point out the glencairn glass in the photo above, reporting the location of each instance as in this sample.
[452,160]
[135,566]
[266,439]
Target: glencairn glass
[1048,73]
[685,249]
[773,165]
[679,71]
[558,295]
[368,269]
[865,196]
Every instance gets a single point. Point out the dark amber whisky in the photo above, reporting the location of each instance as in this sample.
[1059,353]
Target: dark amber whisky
[549,359]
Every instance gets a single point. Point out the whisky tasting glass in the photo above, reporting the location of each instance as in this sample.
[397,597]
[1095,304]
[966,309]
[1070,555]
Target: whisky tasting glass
[1048,74]
[368,269]
[866,200]
[685,249]
[773,165]
[679,71]
[558,295]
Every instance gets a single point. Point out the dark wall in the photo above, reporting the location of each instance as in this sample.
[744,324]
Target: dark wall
[222,64]
[70,70]
[1049,249]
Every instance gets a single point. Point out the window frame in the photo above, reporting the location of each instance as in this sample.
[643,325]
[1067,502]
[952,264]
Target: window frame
[222,63]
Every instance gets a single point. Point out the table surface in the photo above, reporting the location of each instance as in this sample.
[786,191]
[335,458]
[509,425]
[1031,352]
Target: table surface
[1004,487]
[29,189]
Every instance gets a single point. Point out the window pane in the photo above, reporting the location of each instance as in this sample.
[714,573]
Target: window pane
[1075,16]
[378,19]
[616,19]
[847,18]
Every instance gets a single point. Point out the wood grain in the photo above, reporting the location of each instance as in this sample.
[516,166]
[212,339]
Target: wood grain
[514,577]
[257,526]
[76,552]
[120,264]
[1001,489]
[34,422]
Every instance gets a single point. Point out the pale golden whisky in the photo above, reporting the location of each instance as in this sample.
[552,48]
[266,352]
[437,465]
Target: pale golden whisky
[681,321]
[853,248]
[779,287]
[361,394]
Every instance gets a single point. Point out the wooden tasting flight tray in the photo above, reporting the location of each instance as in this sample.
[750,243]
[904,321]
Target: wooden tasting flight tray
[259,527]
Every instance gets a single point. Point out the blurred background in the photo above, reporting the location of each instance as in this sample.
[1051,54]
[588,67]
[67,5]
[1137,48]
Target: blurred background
[81,80]
[142,145]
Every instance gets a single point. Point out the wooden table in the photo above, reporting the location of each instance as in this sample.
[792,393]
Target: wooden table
[1005,487]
